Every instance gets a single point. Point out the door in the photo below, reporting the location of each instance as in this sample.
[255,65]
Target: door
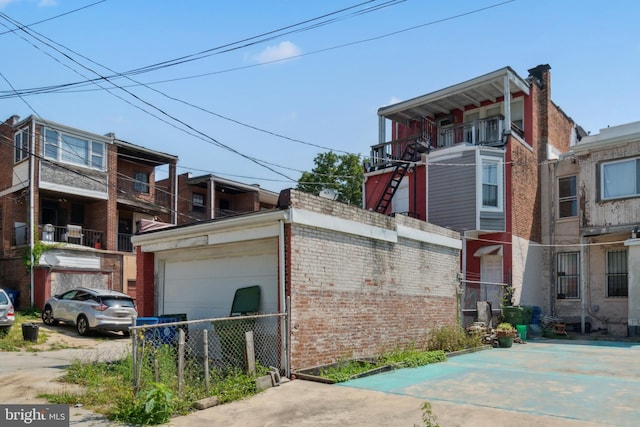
[492,280]
[204,286]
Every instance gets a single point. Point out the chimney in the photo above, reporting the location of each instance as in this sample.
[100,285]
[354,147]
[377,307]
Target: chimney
[541,75]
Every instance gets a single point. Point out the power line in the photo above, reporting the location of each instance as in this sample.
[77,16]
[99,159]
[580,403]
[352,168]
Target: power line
[50,89]
[55,17]
[200,134]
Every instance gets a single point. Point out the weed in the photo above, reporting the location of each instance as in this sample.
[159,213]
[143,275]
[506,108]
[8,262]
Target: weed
[345,370]
[12,340]
[428,417]
[452,338]
[412,358]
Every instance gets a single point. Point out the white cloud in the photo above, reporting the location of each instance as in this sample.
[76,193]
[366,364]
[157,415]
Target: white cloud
[3,3]
[394,100]
[281,51]
[47,3]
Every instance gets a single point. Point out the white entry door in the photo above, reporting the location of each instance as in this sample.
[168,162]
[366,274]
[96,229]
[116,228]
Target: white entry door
[490,276]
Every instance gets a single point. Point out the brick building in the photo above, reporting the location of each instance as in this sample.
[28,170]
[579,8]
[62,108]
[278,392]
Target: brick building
[467,157]
[208,197]
[355,283]
[75,197]
[590,218]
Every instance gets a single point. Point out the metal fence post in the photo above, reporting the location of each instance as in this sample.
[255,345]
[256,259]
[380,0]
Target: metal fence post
[180,360]
[205,342]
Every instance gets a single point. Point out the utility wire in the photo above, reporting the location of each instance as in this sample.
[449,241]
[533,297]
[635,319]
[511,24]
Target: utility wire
[162,112]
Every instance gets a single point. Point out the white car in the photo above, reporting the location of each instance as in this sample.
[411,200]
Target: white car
[7,312]
[91,309]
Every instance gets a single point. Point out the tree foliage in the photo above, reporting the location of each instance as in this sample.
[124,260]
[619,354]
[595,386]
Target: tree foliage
[343,173]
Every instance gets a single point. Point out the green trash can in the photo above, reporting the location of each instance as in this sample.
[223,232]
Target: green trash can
[522,331]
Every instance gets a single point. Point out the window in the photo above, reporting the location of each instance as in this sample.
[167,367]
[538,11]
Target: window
[141,182]
[568,275]
[21,142]
[197,201]
[72,149]
[567,197]
[491,184]
[517,115]
[620,179]
[617,274]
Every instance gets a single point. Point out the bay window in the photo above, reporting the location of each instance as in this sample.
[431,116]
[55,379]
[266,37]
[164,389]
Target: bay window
[63,147]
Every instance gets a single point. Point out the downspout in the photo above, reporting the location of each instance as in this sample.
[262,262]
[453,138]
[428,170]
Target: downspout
[175,195]
[212,195]
[364,194]
[34,227]
[284,364]
[582,286]
[463,282]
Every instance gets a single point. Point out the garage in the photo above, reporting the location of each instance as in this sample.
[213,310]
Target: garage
[202,282]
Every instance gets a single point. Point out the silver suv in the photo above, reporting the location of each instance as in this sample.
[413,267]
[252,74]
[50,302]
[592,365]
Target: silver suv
[7,314]
[89,309]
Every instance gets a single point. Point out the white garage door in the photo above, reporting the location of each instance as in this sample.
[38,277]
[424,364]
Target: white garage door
[204,288]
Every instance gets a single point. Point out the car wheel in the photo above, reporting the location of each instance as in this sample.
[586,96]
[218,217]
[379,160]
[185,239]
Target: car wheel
[82,325]
[47,317]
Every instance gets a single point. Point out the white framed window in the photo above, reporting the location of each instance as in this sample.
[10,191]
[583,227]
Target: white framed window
[620,179]
[617,274]
[568,275]
[492,183]
[21,142]
[567,197]
[141,182]
[197,202]
[63,147]
[517,114]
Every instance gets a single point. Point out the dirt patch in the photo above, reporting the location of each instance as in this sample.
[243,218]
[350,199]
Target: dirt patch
[66,336]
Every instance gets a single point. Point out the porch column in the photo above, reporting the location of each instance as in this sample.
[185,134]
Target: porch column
[633,261]
[507,105]
[382,132]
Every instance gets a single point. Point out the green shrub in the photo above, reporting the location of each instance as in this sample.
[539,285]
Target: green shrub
[452,338]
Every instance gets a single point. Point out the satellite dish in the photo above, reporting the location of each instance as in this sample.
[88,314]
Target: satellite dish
[329,193]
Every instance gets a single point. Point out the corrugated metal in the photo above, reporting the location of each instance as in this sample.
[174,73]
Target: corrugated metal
[452,192]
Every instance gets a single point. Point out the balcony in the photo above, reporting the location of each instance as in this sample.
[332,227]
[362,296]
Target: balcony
[82,236]
[77,235]
[488,131]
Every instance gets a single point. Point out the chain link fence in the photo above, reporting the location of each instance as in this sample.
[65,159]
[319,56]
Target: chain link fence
[193,354]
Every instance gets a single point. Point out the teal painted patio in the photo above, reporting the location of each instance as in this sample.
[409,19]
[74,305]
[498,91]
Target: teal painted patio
[596,381]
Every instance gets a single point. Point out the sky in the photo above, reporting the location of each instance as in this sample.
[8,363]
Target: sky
[254,90]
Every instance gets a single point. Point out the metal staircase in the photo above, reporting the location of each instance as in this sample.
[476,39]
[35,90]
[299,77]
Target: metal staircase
[402,165]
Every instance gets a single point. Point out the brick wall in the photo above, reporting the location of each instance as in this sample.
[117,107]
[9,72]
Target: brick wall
[354,296]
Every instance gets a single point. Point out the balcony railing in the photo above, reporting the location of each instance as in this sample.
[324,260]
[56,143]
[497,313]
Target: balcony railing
[86,237]
[124,242]
[478,132]
[61,234]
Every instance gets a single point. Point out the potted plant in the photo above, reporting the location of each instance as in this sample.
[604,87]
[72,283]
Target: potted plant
[505,333]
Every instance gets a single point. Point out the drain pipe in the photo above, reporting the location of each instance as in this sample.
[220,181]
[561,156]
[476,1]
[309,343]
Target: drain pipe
[284,307]
[582,293]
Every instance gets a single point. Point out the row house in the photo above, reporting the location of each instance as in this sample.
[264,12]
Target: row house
[73,198]
[467,157]
[591,217]
[208,197]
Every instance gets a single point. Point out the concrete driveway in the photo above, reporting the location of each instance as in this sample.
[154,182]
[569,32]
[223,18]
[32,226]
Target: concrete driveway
[544,383]
[541,383]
